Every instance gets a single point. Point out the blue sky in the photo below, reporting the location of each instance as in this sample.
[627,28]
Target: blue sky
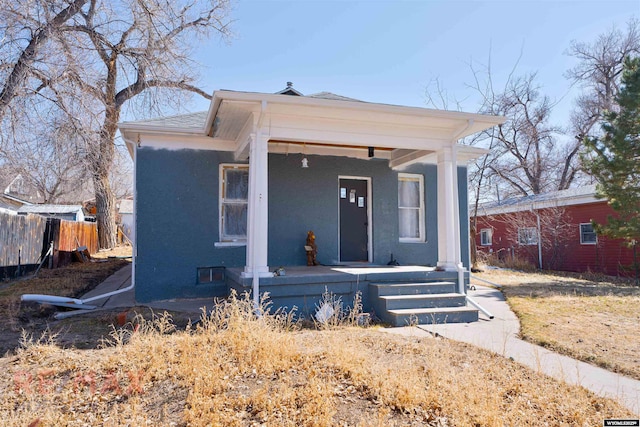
[389,51]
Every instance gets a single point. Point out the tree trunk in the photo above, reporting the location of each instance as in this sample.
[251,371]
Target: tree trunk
[101,162]
[105,212]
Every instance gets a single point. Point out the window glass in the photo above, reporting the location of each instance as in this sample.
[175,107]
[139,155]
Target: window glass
[587,234]
[527,236]
[237,184]
[409,223]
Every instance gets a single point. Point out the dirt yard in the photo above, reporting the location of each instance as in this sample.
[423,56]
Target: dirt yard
[588,317]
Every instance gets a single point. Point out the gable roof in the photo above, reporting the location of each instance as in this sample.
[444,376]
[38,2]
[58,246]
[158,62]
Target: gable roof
[289,90]
[14,187]
[572,196]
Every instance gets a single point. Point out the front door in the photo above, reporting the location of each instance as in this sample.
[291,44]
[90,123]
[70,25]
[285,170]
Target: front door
[354,224]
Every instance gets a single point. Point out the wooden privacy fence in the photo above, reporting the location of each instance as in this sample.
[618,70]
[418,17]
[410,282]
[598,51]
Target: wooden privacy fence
[21,239]
[74,234]
[24,241]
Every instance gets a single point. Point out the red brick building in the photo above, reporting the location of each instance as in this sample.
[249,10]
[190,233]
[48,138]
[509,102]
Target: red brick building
[553,230]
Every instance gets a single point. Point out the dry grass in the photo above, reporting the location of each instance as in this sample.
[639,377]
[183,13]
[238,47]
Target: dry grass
[588,317]
[233,369]
[118,251]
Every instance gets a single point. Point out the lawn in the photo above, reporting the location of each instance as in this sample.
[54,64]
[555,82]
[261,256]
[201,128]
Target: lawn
[591,318]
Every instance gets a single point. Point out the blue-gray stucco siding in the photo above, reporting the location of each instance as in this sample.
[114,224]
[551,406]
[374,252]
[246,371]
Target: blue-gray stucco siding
[177,216]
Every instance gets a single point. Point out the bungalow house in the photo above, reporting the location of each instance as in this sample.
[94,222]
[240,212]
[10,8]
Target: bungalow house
[553,231]
[224,199]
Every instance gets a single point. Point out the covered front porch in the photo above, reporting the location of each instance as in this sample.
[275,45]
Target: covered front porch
[258,126]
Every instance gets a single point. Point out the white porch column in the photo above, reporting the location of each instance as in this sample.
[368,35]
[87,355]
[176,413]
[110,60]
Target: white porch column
[258,207]
[448,210]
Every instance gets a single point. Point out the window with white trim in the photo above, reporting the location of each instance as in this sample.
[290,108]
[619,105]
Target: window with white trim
[486,235]
[587,234]
[527,236]
[411,207]
[234,192]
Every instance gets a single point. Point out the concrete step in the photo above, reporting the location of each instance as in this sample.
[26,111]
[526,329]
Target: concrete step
[382,289]
[440,315]
[394,302]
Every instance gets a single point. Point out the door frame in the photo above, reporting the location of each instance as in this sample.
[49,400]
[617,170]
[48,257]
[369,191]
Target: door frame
[369,209]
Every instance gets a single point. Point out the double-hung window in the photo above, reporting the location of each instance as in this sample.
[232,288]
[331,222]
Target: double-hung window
[411,207]
[527,236]
[588,234]
[485,236]
[234,191]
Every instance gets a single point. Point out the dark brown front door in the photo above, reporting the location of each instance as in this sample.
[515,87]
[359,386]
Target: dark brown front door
[354,241]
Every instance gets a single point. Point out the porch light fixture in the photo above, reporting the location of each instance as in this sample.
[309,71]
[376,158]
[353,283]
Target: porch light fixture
[371,151]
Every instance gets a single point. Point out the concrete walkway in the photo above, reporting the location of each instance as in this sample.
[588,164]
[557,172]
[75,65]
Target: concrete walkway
[500,336]
[122,279]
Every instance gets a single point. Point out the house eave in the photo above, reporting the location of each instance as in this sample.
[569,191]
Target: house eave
[545,204]
[328,122]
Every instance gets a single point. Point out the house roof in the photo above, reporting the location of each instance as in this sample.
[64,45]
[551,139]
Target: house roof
[50,209]
[13,186]
[333,96]
[196,121]
[8,202]
[323,123]
[572,196]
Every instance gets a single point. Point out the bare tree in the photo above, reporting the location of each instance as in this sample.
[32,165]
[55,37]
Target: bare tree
[26,29]
[50,158]
[120,50]
[598,73]
[101,56]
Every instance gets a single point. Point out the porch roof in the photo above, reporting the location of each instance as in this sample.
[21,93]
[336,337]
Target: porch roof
[323,123]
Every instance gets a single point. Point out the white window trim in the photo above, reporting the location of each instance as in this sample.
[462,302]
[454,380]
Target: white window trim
[227,241]
[489,233]
[594,232]
[528,243]
[421,225]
